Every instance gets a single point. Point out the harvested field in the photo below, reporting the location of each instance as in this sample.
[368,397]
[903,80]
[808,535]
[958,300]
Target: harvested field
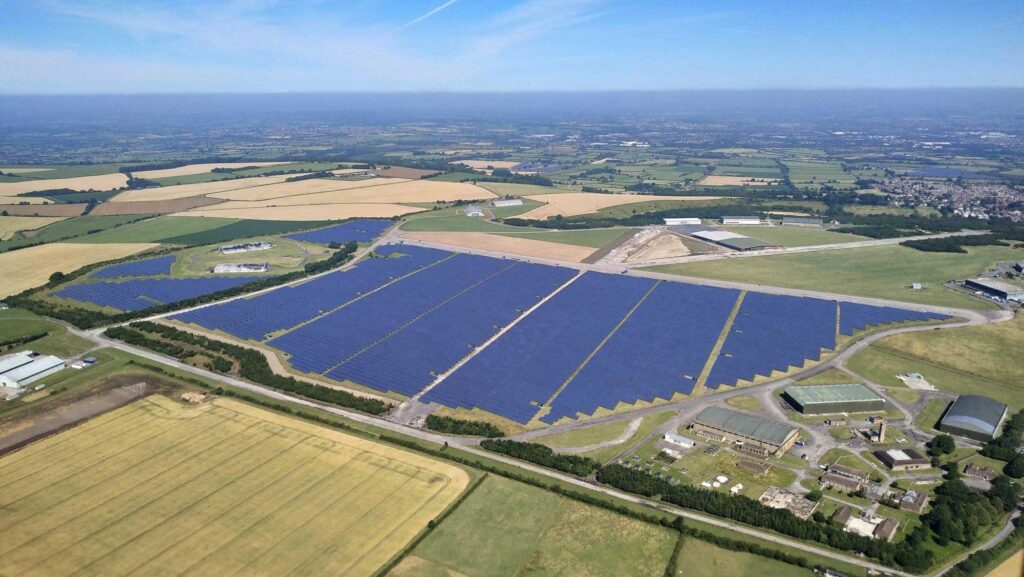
[665,245]
[301,188]
[403,172]
[219,488]
[22,170]
[101,182]
[297,213]
[12,224]
[198,169]
[31,267]
[505,244]
[486,164]
[28,199]
[154,206]
[720,180]
[392,192]
[575,203]
[62,210]
[197,189]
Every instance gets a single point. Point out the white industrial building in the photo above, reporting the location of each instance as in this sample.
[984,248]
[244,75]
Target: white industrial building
[245,247]
[741,220]
[507,202]
[474,211]
[24,368]
[681,221]
[679,440]
[226,268]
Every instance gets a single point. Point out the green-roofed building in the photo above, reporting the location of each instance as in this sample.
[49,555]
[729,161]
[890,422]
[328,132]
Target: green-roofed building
[831,399]
[752,433]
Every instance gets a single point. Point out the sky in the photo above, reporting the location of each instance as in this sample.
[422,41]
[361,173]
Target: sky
[148,46]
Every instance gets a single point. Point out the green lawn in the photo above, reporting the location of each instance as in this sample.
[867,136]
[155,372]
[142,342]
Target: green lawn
[158,229]
[702,559]
[963,360]
[649,423]
[585,436]
[831,376]
[745,402]
[928,418]
[794,236]
[881,272]
[508,528]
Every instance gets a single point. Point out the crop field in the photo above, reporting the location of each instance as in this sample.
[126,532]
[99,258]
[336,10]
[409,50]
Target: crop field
[968,360]
[39,209]
[293,169]
[12,224]
[883,272]
[196,169]
[576,203]
[303,213]
[283,190]
[523,245]
[98,182]
[814,175]
[725,180]
[700,559]
[198,189]
[31,267]
[159,488]
[158,229]
[77,227]
[368,191]
[154,206]
[508,528]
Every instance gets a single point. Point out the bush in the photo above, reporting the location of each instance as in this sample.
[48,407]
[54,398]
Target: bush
[463,427]
[941,445]
[544,456]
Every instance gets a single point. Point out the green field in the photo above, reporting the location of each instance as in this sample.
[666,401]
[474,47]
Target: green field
[449,223]
[968,360]
[256,171]
[882,272]
[814,175]
[158,229]
[76,229]
[69,170]
[649,423]
[627,210]
[286,256]
[831,376]
[510,211]
[244,229]
[159,487]
[794,236]
[701,559]
[585,436]
[745,402]
[507,528]
[16,323]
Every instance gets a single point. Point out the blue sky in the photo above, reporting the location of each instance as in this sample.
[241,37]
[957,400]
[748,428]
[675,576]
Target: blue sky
[96,46]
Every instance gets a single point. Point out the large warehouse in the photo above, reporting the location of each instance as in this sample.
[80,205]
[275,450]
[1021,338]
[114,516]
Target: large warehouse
[996,288]
[974,417]
[24,368]
[828,399]
[759,436]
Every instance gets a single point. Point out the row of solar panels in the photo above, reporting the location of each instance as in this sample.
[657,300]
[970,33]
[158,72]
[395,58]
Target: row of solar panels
[138,294]
[148,267]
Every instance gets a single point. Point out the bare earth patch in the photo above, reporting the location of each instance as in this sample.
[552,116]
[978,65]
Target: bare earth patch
[505,244]
[42,209]
[575,203]
[665,245]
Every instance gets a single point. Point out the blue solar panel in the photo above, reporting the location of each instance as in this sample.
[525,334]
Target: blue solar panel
[254,318]
[362,230]
[774,332]
[149,267]
[410,358]
[133,295]
[535,357]
[658,352]
[854,316]
[335,337]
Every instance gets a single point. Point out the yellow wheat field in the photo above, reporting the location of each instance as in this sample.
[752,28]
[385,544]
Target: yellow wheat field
[301,212]
[99,182]
[12,224]
[198,169]
[574,203]
[505,244]
[197,189]
[221,488]
[32,267]
[301,187]
[393,191]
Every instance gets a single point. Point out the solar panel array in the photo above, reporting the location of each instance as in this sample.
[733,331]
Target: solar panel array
[408,360]
[854,316]
[773,332]
[254,318]
[134,295]
[148,267]
[333,338]
[362,230]
[534,358]
[658,352]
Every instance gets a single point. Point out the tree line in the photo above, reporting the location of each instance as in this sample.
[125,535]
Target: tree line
[455,426]
[544,456]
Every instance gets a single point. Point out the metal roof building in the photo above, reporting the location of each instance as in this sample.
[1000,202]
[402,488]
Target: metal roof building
[801,221]
[741,220]
[997,288]
[27,374]
[507,202]
[974,417]
[825,399]
[10,362]
[770,436]
[731,239]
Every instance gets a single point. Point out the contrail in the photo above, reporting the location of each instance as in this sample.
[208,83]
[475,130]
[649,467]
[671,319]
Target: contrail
[428,14]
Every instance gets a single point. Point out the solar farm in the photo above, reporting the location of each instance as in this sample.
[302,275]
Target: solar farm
[533,342]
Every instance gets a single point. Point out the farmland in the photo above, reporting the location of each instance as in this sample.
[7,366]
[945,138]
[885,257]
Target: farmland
[882,272]
[576,203]
[31,267]
[98,182]
[78,227]
[507,528]
[159,486]
[13,224]
[300,213]
[794,236]
[189,169]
